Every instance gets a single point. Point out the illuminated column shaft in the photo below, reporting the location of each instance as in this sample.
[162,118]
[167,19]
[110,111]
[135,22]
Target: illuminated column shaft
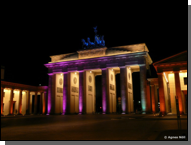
[123,84]
[148,100]
[44,103]
[41,103]
[28,103]
[161,94]
[11,102]
[143,87]
[35,103]
[51,95]
[20,103]
[105,90]
[66,93]
[2,95]
[81,92]
[178,91]
[153,98]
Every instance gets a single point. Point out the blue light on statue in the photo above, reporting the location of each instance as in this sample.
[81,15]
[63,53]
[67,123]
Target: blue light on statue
[98,41]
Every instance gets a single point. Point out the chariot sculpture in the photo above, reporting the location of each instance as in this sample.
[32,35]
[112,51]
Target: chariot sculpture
[98,41]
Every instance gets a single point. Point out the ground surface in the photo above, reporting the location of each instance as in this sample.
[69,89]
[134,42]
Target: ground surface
[92,127]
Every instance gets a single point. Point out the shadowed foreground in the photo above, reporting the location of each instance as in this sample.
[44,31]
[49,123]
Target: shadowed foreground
[91,127]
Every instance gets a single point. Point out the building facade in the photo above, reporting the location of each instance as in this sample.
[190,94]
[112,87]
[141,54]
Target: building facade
[172,83]
[20,99]
[71,86]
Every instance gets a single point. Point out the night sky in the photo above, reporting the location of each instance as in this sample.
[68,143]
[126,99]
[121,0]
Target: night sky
[35,32]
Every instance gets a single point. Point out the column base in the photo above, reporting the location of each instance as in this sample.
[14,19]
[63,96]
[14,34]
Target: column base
[162,113]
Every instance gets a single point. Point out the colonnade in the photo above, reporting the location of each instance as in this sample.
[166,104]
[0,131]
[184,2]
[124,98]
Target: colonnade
[18,101]
[79,97]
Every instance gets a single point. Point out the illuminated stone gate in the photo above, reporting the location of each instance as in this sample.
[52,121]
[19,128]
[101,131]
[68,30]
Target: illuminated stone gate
[72,79]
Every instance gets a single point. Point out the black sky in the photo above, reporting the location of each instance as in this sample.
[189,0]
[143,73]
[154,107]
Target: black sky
[33,32]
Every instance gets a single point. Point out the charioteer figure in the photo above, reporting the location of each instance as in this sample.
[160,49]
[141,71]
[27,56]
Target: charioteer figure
[98,41]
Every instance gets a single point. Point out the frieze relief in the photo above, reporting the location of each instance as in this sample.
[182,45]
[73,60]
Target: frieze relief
[111,87]
[129,86]
[92,53]
[75,89]
[90,88]
[59,90]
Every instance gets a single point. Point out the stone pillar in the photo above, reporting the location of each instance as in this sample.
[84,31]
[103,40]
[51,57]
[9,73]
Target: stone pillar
[11,102]
[143,87]
[51,95]
[28,103]
[149,99]
[178,91]
[105,94]
[156,98]
[44,103]
[123,84]
[81,92]
[35,103]
[161,94]
[2,95]
[66,93]
[153,98]
[41,103]
[20,103]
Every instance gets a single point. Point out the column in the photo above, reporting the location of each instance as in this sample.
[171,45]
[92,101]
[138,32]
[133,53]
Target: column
[2,95]
[51,95]
[149,99]
[178,91]
[11,102]
[66,93]
[156,98]
[153,98]
[44,103]
[81,92]
[41,103]
[28,103]
[161,94]
[20,103]
[35,103]
[143,87]
[123,84]
[105,90]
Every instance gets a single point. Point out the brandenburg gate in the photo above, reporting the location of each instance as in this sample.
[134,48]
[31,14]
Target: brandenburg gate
[71,87]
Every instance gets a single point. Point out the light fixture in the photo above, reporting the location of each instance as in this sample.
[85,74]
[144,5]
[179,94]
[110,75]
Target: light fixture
[61,74]
[111,69]
[129,68]
[75,73]
[180,71]
[90,71]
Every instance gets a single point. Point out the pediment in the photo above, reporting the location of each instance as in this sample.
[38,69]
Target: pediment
[180,57]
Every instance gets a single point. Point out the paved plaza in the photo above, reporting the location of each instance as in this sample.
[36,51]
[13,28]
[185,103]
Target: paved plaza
[91,127]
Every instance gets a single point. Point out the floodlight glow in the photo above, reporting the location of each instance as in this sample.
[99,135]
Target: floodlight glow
[165,77]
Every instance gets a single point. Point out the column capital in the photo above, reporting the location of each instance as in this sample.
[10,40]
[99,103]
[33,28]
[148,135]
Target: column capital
[142,65]
[104,68]
[66,72]
[123,67]
[81,71]
[176,71]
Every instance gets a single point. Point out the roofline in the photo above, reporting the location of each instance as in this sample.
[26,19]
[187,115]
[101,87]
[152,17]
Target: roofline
[169,57]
